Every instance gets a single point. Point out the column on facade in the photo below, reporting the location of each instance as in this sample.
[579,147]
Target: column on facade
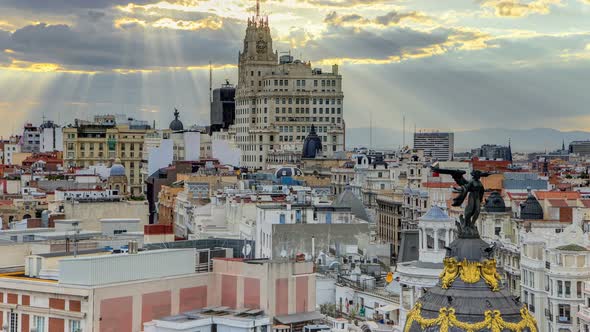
[421,238]
[435,230]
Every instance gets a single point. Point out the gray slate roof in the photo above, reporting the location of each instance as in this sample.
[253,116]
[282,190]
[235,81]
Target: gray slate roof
[435,214]
[348,199]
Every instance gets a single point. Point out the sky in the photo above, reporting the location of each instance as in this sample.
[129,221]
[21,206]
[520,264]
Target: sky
[447,65]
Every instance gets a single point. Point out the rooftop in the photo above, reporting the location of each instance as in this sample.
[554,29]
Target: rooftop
[572,247]
[558,194]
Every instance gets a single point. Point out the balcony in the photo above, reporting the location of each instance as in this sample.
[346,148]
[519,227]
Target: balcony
[563,319]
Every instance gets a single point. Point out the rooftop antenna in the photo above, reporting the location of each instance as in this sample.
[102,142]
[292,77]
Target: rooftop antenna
[404,131]
[210,82]
[371,131]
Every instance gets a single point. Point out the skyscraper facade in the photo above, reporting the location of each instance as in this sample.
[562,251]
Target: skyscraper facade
[277,101]
[438,146]
[223,107]
[493,152]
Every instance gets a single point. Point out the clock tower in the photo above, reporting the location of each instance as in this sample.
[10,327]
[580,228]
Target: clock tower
[257,52]
[278,101]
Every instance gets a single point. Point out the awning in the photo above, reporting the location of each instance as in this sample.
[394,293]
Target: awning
[299,318]
[387,308]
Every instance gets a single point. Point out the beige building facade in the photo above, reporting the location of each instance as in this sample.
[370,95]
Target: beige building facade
[277,101]
[104,141]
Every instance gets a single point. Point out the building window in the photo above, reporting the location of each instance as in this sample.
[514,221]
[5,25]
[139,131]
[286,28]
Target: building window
[75,326]
[568,286]
[559,288]
[13,322]
[39,323]
[564,313]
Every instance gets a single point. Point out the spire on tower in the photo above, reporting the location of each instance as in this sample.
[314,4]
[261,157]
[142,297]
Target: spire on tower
[257,8]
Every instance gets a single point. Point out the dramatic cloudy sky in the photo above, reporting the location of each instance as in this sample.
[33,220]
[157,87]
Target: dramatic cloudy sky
[452,64]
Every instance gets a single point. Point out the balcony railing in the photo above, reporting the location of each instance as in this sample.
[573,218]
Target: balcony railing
[563,319]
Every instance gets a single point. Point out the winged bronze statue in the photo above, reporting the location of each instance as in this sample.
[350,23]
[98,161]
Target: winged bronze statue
[473,190]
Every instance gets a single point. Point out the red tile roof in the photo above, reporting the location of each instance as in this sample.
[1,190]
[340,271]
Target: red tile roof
[557,194]
[438,184]
[517,196]
[558,203]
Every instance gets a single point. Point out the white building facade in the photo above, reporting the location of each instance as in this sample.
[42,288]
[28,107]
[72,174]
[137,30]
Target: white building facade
[439,146]
[436,231]
[553,272]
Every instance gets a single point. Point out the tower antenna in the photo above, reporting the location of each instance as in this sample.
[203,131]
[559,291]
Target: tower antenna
[257,8]
[370,131]
[210,82]
[404,131]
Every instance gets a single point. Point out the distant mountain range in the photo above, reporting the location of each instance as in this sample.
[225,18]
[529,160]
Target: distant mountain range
[522,140]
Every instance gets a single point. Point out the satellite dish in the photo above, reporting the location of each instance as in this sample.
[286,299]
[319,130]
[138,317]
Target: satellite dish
[246,250]
[284,253]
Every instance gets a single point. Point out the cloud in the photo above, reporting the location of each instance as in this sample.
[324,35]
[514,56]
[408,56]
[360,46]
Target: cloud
[128,44]
[297,37]
[66,5]
[518,8]
[392,18]
[363,46]
[334,18]
[581,54]
[344,3]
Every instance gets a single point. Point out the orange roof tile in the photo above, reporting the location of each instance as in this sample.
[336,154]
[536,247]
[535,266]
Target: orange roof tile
[517,196]
[557,194]
[558,203]
[494,181]
[438,184]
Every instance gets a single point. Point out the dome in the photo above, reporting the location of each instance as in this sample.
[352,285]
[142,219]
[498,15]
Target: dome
[435,213]
[117,169]
[312,144]
[531,209]
[495,203]
[176,125]
[288,171]
[469,296]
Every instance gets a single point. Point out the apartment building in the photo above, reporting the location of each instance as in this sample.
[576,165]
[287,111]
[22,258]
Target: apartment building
[104,140]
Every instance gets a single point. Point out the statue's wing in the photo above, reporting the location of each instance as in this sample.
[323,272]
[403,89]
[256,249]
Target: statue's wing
[455,173]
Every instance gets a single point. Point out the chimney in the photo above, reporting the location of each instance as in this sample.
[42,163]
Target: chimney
[132,247]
